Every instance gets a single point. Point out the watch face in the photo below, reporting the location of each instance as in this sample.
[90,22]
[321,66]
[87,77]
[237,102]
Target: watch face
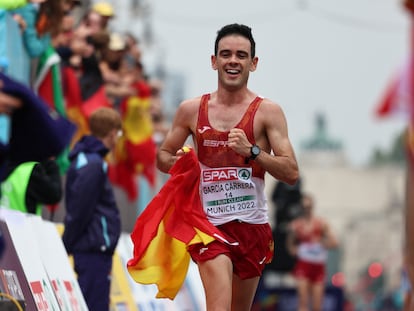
[255,151]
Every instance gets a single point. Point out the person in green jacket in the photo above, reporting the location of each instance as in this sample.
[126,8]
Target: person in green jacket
[30,185]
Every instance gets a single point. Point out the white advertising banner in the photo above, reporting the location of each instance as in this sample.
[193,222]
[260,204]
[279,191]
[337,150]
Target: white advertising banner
[24,240]
[45,262]
[57,265]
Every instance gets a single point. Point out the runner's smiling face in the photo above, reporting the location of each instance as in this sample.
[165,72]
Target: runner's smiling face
[234,61]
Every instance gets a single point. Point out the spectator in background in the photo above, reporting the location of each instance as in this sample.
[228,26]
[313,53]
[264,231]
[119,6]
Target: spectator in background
[92,220]
[30,35]
[83,44]
[30,185]
[39,23]
[90,55]
[30,179]
[136,151]
[133,51]
[63,36]
[286,200]
[118,84]
[112,59]
[96,19]
[90,24]
[69,5]
[106,11]
[308,239]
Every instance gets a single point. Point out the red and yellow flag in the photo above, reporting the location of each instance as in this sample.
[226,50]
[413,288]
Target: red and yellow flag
[136,151]
[173,220]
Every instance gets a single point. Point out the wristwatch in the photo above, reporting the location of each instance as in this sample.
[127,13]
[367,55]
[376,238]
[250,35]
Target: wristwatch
[254,152]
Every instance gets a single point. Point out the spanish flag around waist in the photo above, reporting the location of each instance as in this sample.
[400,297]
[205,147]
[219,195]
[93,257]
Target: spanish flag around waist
[173,220]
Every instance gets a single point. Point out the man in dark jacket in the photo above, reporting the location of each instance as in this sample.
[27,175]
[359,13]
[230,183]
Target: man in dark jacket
[92,221]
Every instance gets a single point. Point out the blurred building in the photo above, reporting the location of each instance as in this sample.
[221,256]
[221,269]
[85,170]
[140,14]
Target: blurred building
[320,150]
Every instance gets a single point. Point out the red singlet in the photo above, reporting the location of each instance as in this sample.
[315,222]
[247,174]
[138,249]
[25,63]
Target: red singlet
[212,144]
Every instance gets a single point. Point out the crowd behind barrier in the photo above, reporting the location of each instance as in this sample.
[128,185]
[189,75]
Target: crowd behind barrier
[56,70]
[76,65]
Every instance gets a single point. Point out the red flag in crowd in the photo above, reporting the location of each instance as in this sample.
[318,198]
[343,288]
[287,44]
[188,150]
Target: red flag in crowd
[397,98]
[173,220]
[74,102]
[136,151]
[131,159]
[97,100]
[399,101]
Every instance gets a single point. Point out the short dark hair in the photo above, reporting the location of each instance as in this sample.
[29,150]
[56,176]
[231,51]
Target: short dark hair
[236,29]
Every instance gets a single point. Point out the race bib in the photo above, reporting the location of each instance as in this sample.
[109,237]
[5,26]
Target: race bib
[313,252]
[228,191]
